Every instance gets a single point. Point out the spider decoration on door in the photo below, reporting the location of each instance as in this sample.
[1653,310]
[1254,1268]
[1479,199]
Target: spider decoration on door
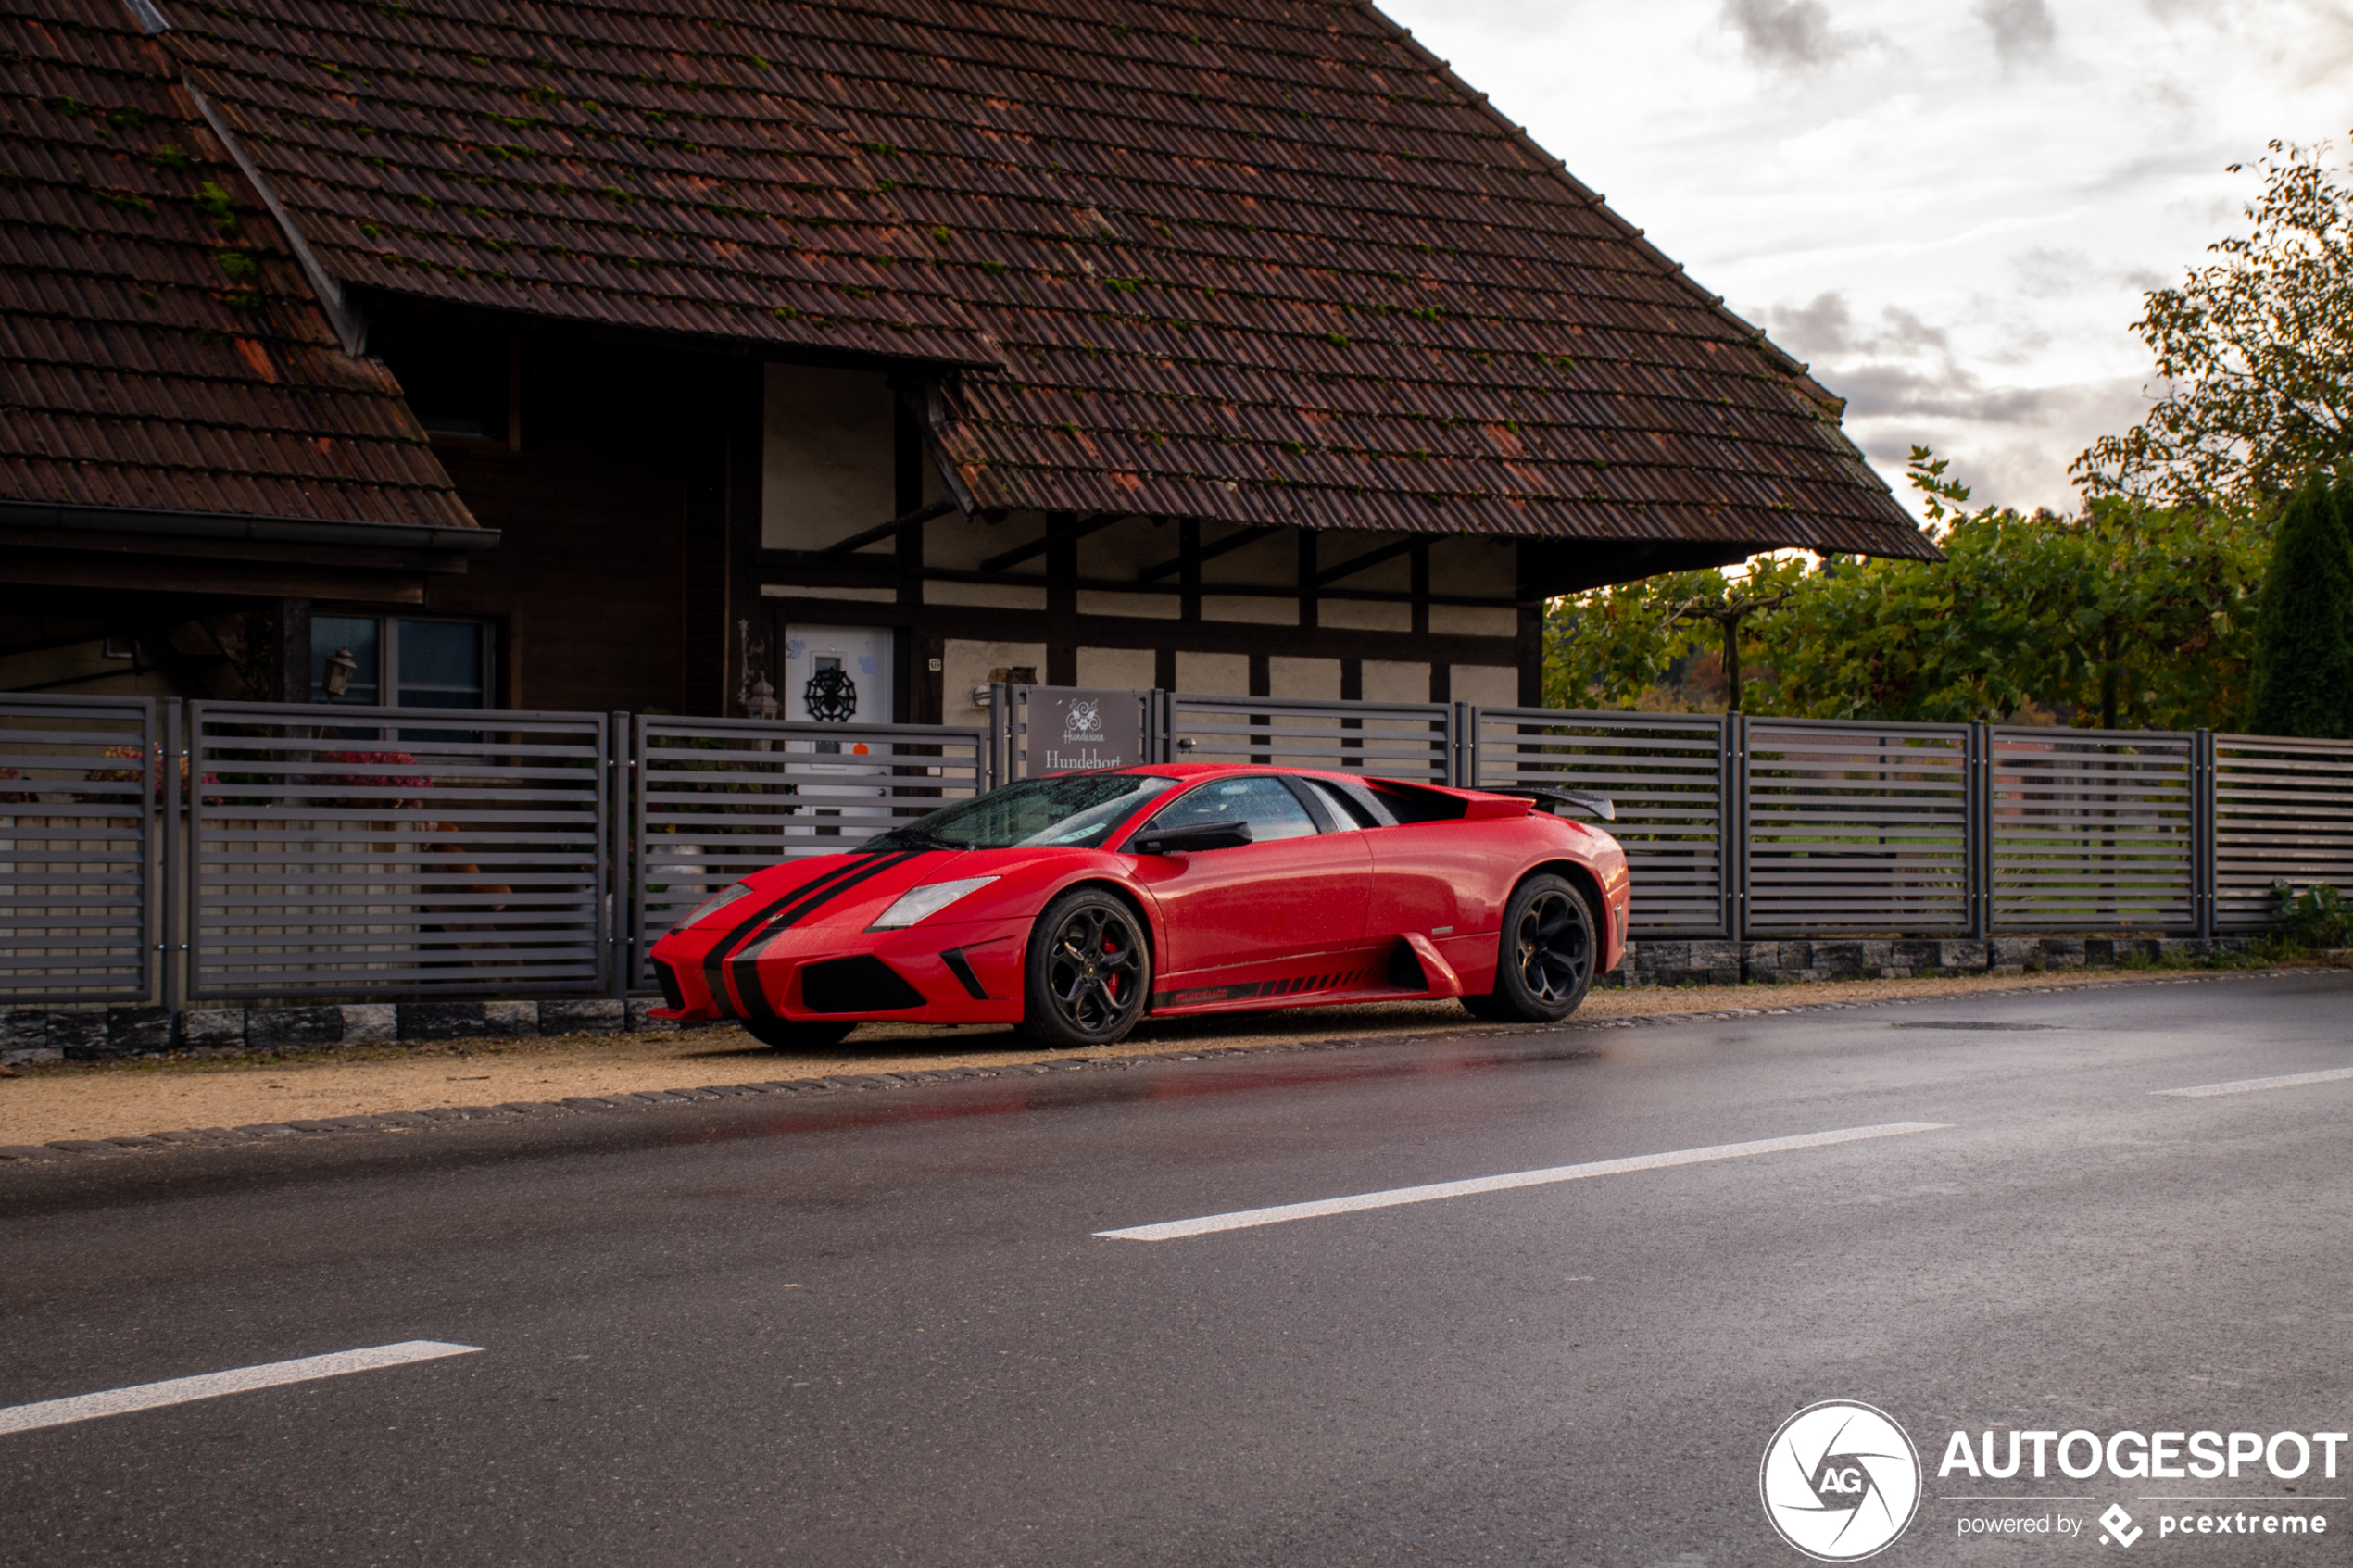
[831,696]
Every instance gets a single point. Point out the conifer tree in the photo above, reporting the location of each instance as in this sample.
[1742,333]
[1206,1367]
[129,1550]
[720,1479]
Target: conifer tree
[2303,674]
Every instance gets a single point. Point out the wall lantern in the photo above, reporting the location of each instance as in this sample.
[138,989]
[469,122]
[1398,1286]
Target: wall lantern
[762,703]
[341,668]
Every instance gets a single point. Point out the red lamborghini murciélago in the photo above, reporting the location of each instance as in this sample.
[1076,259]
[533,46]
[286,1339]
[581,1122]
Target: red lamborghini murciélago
[1074,905]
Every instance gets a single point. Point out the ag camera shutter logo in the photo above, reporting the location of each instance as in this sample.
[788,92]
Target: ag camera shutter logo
[1840,1480]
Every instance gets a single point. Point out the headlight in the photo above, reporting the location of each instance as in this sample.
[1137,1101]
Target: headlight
[927,901]
[714,904]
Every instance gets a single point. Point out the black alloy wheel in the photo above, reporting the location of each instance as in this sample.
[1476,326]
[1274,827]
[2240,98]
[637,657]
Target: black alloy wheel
[787,1034]
[1546,961]
[1090,971]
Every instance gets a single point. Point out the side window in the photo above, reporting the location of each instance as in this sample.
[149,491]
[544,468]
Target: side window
[1261,800]
[1346,812]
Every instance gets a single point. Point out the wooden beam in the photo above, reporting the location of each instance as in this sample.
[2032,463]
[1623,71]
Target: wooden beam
[1209,552]
[1369,559]
[884,530]
[1044,542]
[1247,590]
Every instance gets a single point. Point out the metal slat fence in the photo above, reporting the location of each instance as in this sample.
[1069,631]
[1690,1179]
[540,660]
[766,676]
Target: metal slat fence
[345,853]
[1399,740]
[1857,827]
[2091,830]
[1664,771]
[340,851]
[80,894]
[719,798]
[2283,812]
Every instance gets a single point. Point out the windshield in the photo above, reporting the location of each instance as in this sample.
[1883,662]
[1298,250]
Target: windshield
[1077,810]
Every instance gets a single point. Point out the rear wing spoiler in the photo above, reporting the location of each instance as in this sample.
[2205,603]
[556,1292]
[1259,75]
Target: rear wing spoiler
[1550,798]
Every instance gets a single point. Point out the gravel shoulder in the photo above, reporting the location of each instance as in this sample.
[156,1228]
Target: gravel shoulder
[134,1098]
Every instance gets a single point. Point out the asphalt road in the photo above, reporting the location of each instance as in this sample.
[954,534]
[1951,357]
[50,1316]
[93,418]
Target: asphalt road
[881,1330]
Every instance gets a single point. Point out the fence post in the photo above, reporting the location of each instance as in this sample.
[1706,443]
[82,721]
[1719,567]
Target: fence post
[2204,831]
[1465,761]
[1732,795]
[621,903]
[1977,854]
[168,882]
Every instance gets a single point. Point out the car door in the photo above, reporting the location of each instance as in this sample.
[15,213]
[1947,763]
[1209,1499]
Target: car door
[1444,879]
[1261,910]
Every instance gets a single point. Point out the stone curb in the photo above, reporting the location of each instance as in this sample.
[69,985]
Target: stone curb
[441,1116]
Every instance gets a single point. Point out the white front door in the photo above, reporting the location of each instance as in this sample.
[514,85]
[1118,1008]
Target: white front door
[840,675]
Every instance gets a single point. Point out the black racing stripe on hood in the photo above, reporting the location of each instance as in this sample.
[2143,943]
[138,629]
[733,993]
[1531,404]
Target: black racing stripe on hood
[713,960]
[746,962]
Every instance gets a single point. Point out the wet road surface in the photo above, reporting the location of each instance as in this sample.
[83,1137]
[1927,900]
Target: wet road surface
[885,1330]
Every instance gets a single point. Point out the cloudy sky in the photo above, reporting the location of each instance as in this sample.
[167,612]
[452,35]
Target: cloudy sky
[1949,209]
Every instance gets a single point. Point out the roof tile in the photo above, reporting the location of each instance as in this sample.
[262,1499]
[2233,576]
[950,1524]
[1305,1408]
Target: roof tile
[159,348]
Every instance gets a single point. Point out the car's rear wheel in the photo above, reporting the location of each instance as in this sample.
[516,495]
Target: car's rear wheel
[790,1034]
[1546,963]
[1088,973]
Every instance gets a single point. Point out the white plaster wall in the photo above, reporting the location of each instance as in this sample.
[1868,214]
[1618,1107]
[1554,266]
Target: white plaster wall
[1480,567]
[1491,685]
[1270,562]
[1315,678]
[1365,615]
[797,591]
[995,595]
[963,543]
[1396,681]
[1130,668]
[1473,621]
[1264,611]
[1339,546]
[1155,607]
[1214,675]
[965,664]
[1122,551]
[825,458]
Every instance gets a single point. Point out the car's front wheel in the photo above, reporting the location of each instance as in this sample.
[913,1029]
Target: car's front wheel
[1546,961]
[1088,973]
[789,1034]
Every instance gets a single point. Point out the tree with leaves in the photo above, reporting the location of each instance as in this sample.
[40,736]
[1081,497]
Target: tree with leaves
[2129,615]
[2256,350]
[2303,667]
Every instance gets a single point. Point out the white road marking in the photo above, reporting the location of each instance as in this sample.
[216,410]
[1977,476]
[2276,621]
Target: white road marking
[1244,1218]
[2248,1085]
[181,1391]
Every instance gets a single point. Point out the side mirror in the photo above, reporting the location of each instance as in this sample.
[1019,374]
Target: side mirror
[1191,836]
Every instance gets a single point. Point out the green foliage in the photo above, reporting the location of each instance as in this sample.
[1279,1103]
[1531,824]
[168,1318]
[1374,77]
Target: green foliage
[2303,668]
[2257,349]
[2316,919]
[2129,616]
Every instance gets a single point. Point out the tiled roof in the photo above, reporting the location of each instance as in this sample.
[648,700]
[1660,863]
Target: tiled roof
[1263,261]
[678,168]
[159,348]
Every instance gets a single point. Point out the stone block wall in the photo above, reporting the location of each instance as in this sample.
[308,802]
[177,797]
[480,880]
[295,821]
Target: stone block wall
[92,1034]
[1731,964]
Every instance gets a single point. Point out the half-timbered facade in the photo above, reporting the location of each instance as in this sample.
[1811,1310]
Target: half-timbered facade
[579,358]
